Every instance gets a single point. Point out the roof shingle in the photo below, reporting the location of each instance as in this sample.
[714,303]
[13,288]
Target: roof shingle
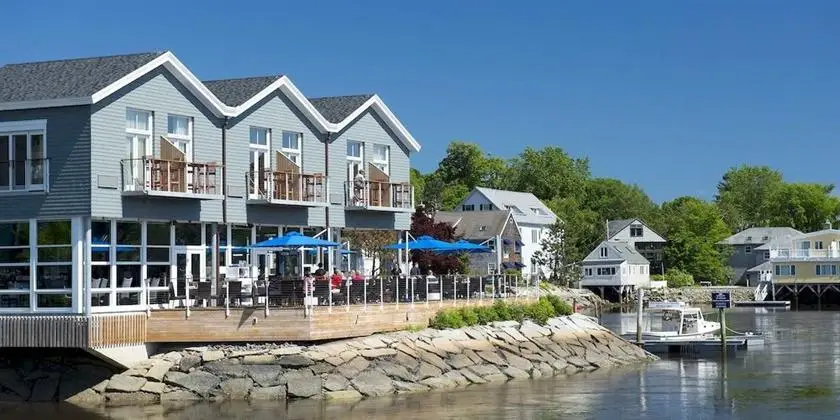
[336,108]
[475,225]
[61,79]
[235,92]
[616,251]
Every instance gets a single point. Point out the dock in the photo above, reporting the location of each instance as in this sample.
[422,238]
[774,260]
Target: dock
[762,304]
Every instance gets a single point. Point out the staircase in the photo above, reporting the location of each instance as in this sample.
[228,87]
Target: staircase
[763,288]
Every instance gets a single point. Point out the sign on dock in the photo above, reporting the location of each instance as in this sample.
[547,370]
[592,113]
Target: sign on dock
[721,300]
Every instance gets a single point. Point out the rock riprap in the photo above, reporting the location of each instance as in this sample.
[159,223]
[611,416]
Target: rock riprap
[378,365]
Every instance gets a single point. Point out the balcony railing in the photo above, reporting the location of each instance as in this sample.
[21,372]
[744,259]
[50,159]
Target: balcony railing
[171,178]
[376,195]
[803,254]
[24,175]
[278,187]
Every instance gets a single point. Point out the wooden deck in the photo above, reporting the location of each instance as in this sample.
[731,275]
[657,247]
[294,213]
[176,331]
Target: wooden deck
[251,324]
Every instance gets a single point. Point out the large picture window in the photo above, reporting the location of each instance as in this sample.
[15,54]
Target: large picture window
[22,160]
[15,276]
[55,265]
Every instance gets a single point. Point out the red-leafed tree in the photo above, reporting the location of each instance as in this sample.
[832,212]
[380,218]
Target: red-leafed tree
[422,224]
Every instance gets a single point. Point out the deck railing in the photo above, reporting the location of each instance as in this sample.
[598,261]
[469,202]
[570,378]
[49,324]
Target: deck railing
[279,186]
[295,293]
[153,175]
[793,253]
[366,194]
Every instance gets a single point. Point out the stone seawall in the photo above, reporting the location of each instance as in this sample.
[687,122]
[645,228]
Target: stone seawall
[377,365]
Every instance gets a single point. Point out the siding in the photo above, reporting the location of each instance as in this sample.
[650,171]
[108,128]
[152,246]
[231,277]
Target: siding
[278,114]
[68,151]
[162,94]
[368,129]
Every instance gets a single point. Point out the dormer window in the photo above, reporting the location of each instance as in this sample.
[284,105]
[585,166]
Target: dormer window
[538,211]
[604,252]
[636,231]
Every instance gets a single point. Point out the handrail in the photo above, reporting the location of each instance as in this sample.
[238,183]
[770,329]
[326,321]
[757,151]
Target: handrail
[398,195]
[287,186]
[166,175]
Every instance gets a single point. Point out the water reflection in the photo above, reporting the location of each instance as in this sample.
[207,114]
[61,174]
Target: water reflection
[795,376]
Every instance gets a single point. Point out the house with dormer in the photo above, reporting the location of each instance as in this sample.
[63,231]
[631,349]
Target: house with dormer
[495,229]
[533,219]
[645,240]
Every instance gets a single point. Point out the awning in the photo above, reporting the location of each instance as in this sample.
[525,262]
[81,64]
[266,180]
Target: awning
[512,265]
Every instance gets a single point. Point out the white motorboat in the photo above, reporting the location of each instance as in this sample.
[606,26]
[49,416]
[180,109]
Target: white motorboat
[677,322]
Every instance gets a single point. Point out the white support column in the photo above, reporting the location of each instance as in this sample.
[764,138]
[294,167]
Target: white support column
[33,262]
[88,304]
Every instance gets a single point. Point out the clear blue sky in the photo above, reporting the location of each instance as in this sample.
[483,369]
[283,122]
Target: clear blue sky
[666,94]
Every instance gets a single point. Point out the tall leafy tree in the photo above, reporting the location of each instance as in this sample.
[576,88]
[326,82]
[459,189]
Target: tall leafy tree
[554,255]
[803,206]
[745,195]
[612,199]
[549,173]
[422,223]
[693,229]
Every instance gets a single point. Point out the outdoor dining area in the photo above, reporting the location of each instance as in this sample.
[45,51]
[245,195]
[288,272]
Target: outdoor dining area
[337,290]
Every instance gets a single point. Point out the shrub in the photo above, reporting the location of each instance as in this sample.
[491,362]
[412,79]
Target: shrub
[517,312]
[469,316]
[486,314]
[678,278]
[560,306]
[503,310]
[540,311]
[447,318]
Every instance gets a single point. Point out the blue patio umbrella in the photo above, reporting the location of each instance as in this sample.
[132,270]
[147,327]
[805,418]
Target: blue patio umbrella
[422,243]
[294,240]
[467,247]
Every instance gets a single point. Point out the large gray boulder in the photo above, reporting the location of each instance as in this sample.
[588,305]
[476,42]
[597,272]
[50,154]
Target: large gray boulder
[373,384]
[199,382]
[304,387]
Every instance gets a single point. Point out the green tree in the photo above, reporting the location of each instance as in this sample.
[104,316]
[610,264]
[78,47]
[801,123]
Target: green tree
[371,243]
[612,199]
[418,181]
[581,229]
[464,167]
[745,196]
[549,173]
[803,206]
[693,228]
[553,254]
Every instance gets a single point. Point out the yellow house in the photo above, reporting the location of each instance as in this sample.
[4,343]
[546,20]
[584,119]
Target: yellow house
[812,258]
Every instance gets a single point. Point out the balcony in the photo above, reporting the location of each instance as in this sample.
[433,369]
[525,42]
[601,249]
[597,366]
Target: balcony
[379,196]
[803,254]
[24,175]
[150,176]
[605,280]
[287,188]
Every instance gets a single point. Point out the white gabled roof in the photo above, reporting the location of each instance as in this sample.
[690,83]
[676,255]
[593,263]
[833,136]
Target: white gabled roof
[525,207]
[220,109]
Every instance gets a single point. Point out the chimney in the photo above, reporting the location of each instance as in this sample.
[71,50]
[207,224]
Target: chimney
[607,227]
[827,224]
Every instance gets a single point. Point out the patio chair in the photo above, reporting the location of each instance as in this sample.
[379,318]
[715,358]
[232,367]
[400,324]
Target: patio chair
[204,293]
[234,292]
[180,293]
[274,292]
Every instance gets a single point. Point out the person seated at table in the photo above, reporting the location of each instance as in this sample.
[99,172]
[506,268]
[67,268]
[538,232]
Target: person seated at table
[336,280]
[357,288]
[357,277]
[320,273]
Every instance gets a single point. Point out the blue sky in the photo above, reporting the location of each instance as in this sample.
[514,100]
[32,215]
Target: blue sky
[665,94]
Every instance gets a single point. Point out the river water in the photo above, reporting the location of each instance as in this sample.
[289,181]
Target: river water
[796,375]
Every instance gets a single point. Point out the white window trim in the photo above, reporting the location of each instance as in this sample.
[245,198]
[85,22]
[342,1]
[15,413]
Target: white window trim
[361,156]
[27,128]
[176,138]
[267,144]
[386,162]
[290,151]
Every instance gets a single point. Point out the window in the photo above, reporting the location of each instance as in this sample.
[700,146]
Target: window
[826,270]
[535,236]
[355,165]
[180,132]
[54,272]
[260,162]
[587,271]
[538,211]
[138,129]
[468,207]
[818,245]
[766,255]
[785,270]
[636,231]
[354,149]
[15,275]
[606,271]
[491,268]
[748,249]
[483,207]
[259,136]
[604,252]
[292,145]
[381,156]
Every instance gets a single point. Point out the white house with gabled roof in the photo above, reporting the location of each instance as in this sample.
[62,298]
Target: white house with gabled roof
[532,216]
